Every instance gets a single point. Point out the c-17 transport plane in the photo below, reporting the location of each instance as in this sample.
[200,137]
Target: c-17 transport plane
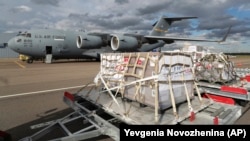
[59,44]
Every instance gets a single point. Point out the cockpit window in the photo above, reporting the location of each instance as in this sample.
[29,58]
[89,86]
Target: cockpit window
[28,35]
[18,40]
[25,34]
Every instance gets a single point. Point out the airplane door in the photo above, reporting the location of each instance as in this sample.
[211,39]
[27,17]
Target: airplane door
[48,51]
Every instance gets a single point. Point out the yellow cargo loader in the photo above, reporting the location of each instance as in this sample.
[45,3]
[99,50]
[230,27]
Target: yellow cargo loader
[23,57]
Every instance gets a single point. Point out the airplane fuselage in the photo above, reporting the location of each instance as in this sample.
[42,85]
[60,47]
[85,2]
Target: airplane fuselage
[58,43]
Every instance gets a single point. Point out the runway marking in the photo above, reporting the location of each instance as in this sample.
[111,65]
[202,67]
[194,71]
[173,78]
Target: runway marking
[45,91]
[20,65]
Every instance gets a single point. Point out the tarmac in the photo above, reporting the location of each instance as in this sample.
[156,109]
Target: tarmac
[31,94]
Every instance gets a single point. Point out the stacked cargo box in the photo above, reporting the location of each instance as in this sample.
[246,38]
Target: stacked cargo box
[156,79]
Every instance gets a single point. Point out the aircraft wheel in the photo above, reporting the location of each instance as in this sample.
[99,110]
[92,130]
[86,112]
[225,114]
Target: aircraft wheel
[30,61]
[98,59]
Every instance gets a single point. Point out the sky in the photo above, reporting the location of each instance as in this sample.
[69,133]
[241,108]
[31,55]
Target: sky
[214,17]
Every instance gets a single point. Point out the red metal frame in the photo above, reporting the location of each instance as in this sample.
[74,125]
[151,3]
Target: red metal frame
[69,96]
[216,120]
[247,78]
[235,90]
[192,116]
[221,99]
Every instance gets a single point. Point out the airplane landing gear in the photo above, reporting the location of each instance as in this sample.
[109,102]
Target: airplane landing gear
[30,60]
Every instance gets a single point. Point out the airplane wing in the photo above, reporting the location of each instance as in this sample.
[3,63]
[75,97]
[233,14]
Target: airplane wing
[172,39]
[99,34]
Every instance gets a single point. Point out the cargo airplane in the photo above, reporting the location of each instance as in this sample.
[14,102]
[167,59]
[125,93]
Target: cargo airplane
[59,44]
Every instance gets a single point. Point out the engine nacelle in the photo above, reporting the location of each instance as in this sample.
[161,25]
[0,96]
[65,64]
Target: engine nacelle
[124,43]
[89,41]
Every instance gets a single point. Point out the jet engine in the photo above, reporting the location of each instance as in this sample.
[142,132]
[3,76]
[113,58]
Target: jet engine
[124,43]
[89,41]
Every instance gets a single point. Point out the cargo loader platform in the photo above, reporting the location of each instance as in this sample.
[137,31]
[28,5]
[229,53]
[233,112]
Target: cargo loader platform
[130,112]
[149,88]
[96,114]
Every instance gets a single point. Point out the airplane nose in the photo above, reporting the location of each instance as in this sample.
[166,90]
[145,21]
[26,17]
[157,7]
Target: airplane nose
[11,44]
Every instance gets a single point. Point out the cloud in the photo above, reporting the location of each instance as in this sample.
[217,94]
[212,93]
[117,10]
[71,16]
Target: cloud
[2,4]
[153,8]
[245,7]
[121,1]
[21,8]
[106,22]
[47,2]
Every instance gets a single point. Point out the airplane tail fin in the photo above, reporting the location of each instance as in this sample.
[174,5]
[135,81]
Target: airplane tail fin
[225,37]
[161,27]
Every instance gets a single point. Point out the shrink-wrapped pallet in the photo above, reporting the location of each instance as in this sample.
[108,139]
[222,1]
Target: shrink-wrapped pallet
[215,68]
[157,79]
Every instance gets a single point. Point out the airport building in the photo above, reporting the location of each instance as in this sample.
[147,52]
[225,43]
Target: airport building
[6,52]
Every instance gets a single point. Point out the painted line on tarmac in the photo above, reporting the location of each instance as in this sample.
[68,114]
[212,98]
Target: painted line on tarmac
[20,65]
[45,91]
